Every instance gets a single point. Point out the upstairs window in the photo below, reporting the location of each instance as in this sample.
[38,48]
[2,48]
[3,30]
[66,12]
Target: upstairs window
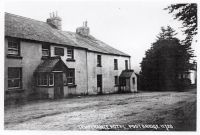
[59,51]
[115,64]
[13,47]
[126,64]
[45,50]
[71,76]
[70,53]
[14,78]
[98,60]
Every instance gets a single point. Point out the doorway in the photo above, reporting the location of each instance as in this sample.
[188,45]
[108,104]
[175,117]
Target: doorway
[99,84]
[58,85]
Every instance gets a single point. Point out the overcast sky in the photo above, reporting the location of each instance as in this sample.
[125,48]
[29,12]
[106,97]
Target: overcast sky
[127,26]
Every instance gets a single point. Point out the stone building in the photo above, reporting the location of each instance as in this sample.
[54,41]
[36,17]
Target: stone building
[43,60]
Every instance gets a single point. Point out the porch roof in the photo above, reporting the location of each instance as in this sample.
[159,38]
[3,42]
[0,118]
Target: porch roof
[126,73]
[50,64]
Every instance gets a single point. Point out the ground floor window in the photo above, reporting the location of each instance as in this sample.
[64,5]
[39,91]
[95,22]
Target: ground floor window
[44,79]
[14,77]
[70,76]
[116,80]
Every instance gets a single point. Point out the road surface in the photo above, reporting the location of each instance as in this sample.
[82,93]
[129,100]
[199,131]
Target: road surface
[130,111]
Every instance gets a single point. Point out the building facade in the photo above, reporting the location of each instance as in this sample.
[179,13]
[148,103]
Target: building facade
[43,61]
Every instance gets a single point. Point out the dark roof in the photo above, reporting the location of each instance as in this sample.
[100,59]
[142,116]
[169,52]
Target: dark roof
[49,64]
[26,28]
[126,73]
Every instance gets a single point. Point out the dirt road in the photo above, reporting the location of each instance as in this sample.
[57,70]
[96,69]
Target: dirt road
[133,111]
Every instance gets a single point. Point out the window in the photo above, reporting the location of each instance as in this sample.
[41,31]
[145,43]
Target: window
[116,80]
[126,64]
[44,79]
[133,80]
[45,50]
[115,64]
[14,77]
[70,53]
[51,79]
[71,76]
[13,47]
[98,60]
[59,51]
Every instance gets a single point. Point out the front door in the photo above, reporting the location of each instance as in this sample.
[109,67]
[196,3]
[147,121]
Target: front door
[99,84]
[58,85]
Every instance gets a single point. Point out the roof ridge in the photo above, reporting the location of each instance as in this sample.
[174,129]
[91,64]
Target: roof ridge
[25,17]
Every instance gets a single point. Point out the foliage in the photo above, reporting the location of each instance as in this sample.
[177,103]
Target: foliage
[187,13]
[164,62]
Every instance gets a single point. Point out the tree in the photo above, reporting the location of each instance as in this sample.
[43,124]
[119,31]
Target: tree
[187,13]
[164,62]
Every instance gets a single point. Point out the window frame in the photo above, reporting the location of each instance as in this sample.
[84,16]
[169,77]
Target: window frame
[12,41]
[56,51]
[68,76]
[116,80]
[19,78]
[99,61]
[115,64]
[70,56]
[126,64]
[45,47]
[39,79]
[50,79]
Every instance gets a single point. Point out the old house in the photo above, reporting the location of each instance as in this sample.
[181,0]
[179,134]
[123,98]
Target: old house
[42,58]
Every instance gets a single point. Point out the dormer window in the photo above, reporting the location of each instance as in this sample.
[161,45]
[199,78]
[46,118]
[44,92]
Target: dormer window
[13,47]
[45,50]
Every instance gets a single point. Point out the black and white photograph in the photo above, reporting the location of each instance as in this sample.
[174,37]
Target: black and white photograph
[99,66]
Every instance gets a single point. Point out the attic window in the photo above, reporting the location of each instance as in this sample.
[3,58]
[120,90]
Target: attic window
[13,47]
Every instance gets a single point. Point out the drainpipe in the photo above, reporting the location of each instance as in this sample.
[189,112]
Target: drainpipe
[87,70]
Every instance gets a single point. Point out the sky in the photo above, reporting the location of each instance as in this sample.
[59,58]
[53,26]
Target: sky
[129,26]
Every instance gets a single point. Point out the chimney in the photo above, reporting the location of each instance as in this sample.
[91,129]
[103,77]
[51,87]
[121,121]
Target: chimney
[55,21]
[84,30]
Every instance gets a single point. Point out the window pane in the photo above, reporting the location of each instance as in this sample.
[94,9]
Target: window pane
[13,73]
[14,83]
[45,52]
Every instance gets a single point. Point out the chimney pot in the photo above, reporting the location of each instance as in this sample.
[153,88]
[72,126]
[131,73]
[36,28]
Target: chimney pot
[54,21]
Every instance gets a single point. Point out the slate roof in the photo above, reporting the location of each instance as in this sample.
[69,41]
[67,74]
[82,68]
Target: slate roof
[48,65]
[26,28]
[126,73]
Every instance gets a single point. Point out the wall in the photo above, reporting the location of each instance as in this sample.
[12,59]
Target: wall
[31,57]
[133,86]
[80,69]
[107,71]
